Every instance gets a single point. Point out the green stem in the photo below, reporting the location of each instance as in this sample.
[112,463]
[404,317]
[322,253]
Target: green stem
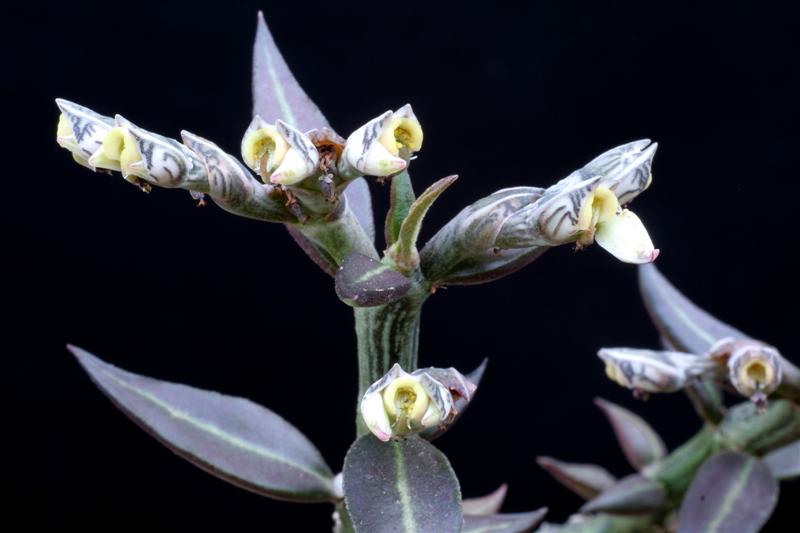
[387,334]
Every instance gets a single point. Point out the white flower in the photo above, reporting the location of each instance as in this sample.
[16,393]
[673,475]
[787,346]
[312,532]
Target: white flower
[381,146]
[401,403]
[754,368]
[81,130]
[279,154]
[586,207]
[654,371]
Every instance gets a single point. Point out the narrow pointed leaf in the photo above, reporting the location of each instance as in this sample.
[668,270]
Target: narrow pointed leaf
[365,282]
[402,196]
[485,505]
[585,480]
[504,523]
[231,438]
[680,322]
[276,92]
[492,265]
[321,258]
[401,486]
[461,403]
[637,439]
[731,492]
[404,250]
[634,494]
[784,463]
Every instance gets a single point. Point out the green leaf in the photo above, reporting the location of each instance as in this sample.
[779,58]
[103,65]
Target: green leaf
[401,199]
[784,463]
[231,438]
[634,494]
[680,322]
[404,250]
[401,486]
[504,523]
[731,492]
[485,505]
[365,282]
[639,442]
[602,523]
[585,480]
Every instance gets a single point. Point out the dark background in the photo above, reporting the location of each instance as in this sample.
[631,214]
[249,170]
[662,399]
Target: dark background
[507,95]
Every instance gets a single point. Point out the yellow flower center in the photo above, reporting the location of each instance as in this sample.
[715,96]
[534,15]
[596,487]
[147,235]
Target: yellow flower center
[402,133]
[405,399]
[264,150]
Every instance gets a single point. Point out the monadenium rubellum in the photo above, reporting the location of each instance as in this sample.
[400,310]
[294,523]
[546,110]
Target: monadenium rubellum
[298,171]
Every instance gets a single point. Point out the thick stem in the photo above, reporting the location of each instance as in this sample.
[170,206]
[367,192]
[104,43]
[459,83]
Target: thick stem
[387,334]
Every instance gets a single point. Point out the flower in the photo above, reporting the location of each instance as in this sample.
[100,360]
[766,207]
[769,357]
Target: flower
[401,403]
[586,206]
[654,371]
[81,130]
[754,368]
[382,146]
[279,154]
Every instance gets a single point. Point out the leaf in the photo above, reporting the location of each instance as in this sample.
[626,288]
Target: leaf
[320,257]
[485,505]
[640,444]
[404,250]
[731,492]
[492,265]
[231,438]
[504,523]
[402,196]
[680,322]
[360,202]
[585,480]
[784,463]
[634,494]
[461,403]
[601,523]
[401,485]
[276,92]
[365,282]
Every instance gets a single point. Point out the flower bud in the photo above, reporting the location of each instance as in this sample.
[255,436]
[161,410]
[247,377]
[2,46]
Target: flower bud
[81,130]
[279,154]
[654,371]
[626,169]
[380,147]
[401,403]
[754,368]
[162,161]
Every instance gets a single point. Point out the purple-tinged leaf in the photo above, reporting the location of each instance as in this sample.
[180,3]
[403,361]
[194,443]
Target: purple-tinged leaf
[585,480]
[401,485]
[492,265]
[680,322]
[360,202]
[365,282]
[485,505]
[461,403]
[634,494]
[317,254]
[731,492]
[401,198]
[504,523]
[601,523]
[784,463]
[637,439]
[231,438]
[276,93]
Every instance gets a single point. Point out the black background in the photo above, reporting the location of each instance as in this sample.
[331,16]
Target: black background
[507,95]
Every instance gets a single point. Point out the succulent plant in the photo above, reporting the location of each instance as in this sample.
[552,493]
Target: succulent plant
[296,170]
